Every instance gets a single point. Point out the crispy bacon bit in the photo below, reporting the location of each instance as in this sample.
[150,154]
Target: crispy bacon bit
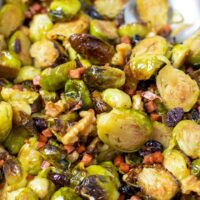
[125,39]
[42,138]
[76,73]
[81,149]
[124,167]
[156,157]
[118,160]
[47,133]
[155,116]
[40,145]
[87,159]
[45,164]
[150,106]
[1,163]
[150,96]
[69,148]
[36,80]
[135,198]
[121,197]
[29,177]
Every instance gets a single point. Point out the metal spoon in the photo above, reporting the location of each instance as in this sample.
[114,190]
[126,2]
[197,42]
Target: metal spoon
[188,10]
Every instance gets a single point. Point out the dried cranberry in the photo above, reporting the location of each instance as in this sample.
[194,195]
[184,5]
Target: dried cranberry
[174,116]
[93,13]
[59,180]
[40,124]
[150,147]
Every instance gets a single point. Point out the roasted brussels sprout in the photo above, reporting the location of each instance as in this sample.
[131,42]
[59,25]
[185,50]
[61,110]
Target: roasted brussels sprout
[176,88]
[110,8]
[124,129]
[61,10]
[9,65]
[39,27]
[6,116]
[92,48]
[105,30]
[65,193]
[30,158]
[54,79]
[196,168]
[76,92]
[176,163]
[11,17]
[116,98]
[145,58]
[66,29]
[154,12]
[103,77]
[193,44]
[187,135]
[132,30]
[19,44]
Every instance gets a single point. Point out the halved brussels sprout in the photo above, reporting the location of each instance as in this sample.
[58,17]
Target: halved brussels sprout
[193,43]
[11,17]
[154,12]
[116,98]
[53,79]
[27,73]
[66,29]
[92,48]
[30,158]
[187,135]
[6,115]
[179,54]
[65,193]
[124,129]
[176,88]
[19,44]
[39,27]
[105,30]
[176,163]
[9,65]
[132,29]
[103,77]
[161,133]
[110,8]
[147,57]
[42,187]
[61,10]
[196,168]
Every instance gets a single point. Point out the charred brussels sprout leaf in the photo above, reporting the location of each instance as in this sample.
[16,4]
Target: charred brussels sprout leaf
[9,65]
[187,135]
[54,79]
[196,168]
[124,129]
[6,115]
[176,88]
[26,193]
[19,45]
[61,10]
[92,48]
[11,17]
[76,92]
[103,77]
[65,193]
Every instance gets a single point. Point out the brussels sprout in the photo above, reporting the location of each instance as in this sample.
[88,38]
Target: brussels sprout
[132,30]
[176,88]
[66,29]
[145,57]
[27,73]
[99,187]
[176,163]
[187,135]
[6,116]
[9,65]
[61,10]
[19,44]
[154,12]
[11,17]
[196,168]
[116,98]
[30,158]
[161,133]
[65,193]
[42,187]
[46,53]
[109,9]
[3,45]
[179,54]
[54,79]
[15,140]
[124,129]
[76,92]
[193,43]
[92,48]
[39,27]
[104,77]
[105,30]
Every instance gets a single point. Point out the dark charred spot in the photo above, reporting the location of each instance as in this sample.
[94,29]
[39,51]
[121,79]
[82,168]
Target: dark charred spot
[93,13]
[135,40]
[59,180]
[40,124]
[17,46]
